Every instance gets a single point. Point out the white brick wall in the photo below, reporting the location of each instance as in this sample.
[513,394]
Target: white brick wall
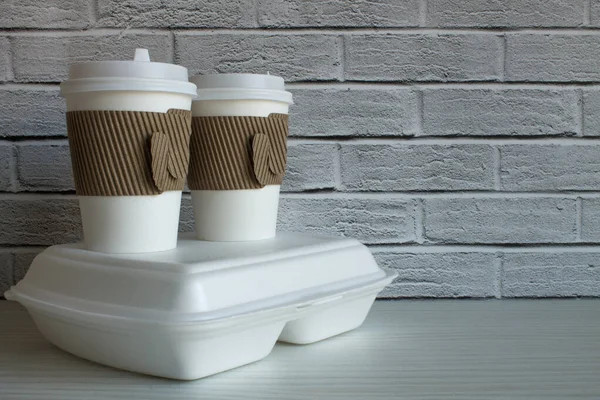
[459,139]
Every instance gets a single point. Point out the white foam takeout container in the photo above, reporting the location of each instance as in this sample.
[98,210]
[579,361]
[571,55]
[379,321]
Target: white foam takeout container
[202,308]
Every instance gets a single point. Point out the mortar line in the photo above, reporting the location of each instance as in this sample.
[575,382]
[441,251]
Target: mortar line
[502,249]
[364,195]
[37,196]
[502,56]
[573,30]
[172,52]
[581,116]
[420,221]
[439,194]
[420,113]
[32,140]
[388,85]
[94,31]
[497,166]
[337,168]
[463,85]
[449,140]
[11,63]
[375,141]
[343,58]
[499,274]
[29,86]
[579,218]
[331,194]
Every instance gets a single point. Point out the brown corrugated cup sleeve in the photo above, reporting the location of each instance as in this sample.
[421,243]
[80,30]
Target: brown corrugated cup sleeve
[129,153]
[233,153]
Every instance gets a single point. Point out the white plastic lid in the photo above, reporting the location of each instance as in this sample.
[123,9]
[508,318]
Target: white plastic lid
[241,87]
[138,75]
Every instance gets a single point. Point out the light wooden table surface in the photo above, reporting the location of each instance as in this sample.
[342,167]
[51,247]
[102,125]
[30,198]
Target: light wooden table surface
[495,349]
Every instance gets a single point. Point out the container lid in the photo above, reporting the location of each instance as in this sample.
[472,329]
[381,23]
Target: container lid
[200,281]
[241,87]
[140,74]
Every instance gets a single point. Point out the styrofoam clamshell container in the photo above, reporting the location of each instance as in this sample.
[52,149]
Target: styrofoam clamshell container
[202,308]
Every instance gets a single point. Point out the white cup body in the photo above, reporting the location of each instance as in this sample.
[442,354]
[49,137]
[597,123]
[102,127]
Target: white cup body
[130,224]
[236,215]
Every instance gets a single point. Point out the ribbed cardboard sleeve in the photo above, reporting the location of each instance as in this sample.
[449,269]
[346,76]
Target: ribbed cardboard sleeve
[232,153]
[129,153]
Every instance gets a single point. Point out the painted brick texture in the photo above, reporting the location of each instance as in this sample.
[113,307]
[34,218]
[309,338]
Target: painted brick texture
[51,14]
[423,57]
[316,13]
[296,57]
[460,140]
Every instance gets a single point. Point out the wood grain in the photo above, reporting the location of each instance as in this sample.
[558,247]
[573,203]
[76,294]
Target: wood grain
[496,349]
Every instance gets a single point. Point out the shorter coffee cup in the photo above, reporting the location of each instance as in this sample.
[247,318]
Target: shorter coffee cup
[238,155]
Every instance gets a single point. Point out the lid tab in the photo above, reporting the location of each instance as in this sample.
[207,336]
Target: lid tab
[141,55]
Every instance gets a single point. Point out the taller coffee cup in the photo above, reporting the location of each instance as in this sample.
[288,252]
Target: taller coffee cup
[238,155]
[129,128]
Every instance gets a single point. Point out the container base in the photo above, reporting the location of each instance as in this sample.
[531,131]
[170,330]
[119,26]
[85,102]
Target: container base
[163,352]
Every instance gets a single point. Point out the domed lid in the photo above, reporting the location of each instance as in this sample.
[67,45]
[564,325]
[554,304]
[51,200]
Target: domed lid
[241,87]
[140,74]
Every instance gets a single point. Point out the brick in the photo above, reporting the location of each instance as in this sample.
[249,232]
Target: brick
[295,57]
[44,167]
[42,221]
[47,58]
[354,112]
[310,167]
[552,57]
[32,111]
[590,220]
[6,272]
[595,12]
[500,112]
[176,14]
[186,215]
[48,14]
[22,261]
[439,274]
[423,57]
[398,167]
[6,155]
[551,274]
[500,220]
[5,68]
[549,167]
[338,13]
[368,220]
[505,14]
[591,112]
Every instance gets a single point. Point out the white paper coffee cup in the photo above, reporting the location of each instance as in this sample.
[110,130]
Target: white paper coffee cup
[238,215]
[129,224]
